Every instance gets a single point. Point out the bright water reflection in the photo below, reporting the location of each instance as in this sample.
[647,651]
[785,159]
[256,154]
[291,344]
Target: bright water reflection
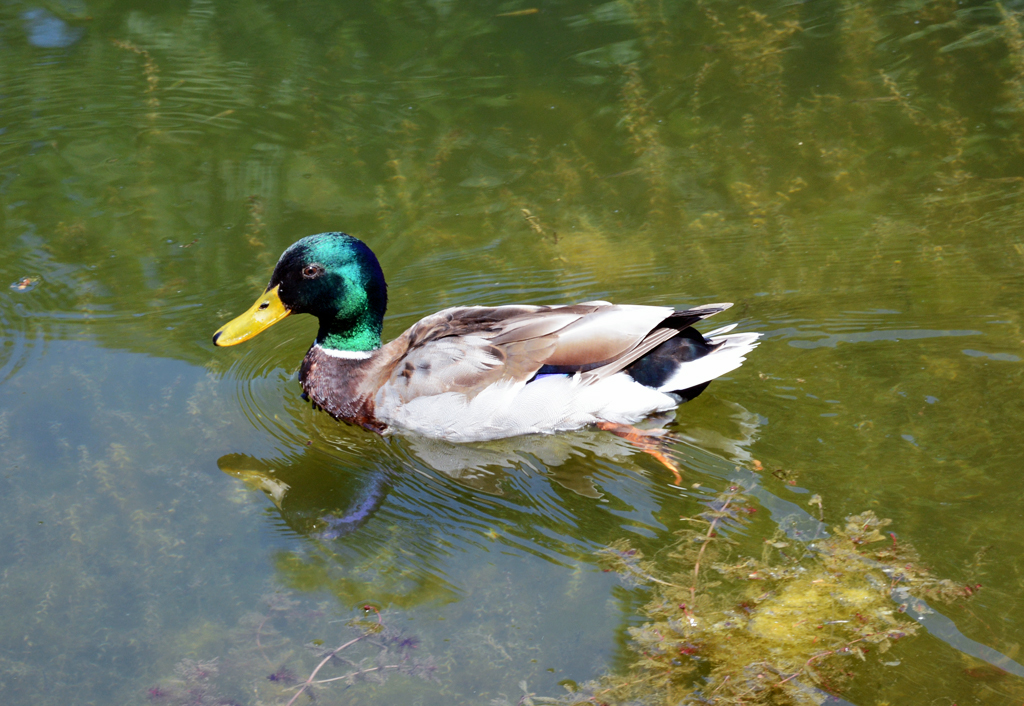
[848,173]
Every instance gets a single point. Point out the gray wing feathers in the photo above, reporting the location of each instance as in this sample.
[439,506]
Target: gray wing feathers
[524,327]
[605,334]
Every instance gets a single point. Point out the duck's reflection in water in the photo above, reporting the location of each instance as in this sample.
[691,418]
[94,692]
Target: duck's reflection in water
[394,519]
[326,505]
[329,490]
[483,466]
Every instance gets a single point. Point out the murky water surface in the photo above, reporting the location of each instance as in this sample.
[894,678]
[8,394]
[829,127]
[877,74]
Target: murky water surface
[178,526]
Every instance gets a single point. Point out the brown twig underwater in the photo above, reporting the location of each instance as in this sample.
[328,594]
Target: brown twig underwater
[259,629]
[352,674]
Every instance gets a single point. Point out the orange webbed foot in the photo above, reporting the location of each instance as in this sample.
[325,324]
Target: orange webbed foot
[650,441]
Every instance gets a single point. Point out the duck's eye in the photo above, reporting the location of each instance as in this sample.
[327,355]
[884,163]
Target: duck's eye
[312,271]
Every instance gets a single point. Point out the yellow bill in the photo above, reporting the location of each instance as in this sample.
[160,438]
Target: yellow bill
[267,311]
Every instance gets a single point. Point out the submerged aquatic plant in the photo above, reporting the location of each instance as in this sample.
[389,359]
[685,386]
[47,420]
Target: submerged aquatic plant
[782,628]
[393,656]
[264,663]
[191,686]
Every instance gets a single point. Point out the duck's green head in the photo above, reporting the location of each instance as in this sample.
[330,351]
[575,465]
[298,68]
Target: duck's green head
[332,276]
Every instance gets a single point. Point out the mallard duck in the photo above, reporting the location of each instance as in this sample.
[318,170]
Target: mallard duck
[476,373]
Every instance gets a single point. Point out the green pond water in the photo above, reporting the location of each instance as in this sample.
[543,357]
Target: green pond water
[851,175]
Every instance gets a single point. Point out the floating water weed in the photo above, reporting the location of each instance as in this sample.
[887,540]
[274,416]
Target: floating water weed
[784,628]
